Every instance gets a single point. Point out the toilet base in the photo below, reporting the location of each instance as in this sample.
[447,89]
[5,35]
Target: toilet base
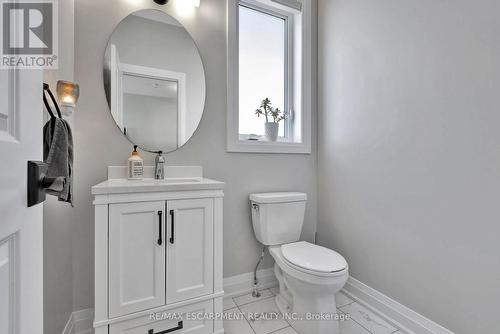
[313,306]
[318,316]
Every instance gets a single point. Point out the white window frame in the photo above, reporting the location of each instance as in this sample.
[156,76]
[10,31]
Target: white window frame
[299,83]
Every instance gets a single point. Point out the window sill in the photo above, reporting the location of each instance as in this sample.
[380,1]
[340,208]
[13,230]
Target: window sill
[257,138]
[263,146]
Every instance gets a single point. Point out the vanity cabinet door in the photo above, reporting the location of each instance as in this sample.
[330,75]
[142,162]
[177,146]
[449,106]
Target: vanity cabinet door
[190,252]
[136,257]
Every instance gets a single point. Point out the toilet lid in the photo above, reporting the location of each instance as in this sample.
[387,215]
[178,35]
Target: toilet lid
[313,257]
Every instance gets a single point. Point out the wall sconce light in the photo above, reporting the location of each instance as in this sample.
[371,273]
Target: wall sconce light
[68,93]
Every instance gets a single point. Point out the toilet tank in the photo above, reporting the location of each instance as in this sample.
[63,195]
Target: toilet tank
[278,217]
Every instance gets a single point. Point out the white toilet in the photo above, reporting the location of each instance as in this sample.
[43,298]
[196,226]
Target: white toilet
[309,275]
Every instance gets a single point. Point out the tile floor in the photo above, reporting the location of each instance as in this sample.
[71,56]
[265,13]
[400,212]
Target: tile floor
[362,321]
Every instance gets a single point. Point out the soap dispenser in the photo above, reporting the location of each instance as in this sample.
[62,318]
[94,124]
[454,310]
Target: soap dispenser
[135,166]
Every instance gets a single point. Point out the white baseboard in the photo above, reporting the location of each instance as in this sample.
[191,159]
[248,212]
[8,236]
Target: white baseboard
[68,329]
[240,284]
[80,322]
[389,309]
[394,312]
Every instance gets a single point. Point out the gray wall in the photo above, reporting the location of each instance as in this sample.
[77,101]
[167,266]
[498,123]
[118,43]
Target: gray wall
[57,216]
[99,143]
[409,153]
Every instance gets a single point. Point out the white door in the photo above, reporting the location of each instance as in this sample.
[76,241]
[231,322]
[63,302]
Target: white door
[190,249]
[116,87]
[136,257]
[21,253]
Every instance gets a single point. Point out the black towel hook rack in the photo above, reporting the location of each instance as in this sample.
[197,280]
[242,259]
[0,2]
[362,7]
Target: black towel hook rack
[46,88]
[38,181]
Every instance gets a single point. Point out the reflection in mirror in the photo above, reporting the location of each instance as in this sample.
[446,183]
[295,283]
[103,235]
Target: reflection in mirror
[154,81]
[155,99]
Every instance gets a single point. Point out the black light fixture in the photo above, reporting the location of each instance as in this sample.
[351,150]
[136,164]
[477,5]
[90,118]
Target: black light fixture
[161,2]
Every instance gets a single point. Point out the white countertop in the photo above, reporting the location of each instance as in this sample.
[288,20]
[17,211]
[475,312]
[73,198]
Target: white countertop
[121,186]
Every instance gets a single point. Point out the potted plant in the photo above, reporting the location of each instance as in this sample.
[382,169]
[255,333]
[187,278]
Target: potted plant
[268,111]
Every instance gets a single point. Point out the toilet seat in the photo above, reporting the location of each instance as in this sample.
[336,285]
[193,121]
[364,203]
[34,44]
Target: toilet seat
[308,276]
[313,259]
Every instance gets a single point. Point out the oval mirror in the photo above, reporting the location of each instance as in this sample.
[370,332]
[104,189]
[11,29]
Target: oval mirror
[154,81]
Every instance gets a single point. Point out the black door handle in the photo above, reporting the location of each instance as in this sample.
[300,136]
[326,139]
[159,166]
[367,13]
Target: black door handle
[160,213]
[39,184]
[180,325]
[172,225]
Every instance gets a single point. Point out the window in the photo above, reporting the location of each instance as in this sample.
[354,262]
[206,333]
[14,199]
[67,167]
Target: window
[265,60]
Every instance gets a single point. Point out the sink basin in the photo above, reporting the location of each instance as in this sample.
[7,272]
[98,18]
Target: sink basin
[152,182]
[177,178]
[118,186]
[180,180]
[173,180]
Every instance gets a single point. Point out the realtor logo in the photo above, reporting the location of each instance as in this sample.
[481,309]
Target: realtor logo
[29,34]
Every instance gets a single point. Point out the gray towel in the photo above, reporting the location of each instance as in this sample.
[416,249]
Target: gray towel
[58,154]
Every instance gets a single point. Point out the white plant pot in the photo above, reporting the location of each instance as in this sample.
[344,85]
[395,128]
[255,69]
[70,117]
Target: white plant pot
[272,131]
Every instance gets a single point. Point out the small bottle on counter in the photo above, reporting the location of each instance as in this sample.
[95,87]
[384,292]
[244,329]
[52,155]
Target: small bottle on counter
[135,166]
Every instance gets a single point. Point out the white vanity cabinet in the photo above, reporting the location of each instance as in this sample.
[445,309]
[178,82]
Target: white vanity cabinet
[158,253]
